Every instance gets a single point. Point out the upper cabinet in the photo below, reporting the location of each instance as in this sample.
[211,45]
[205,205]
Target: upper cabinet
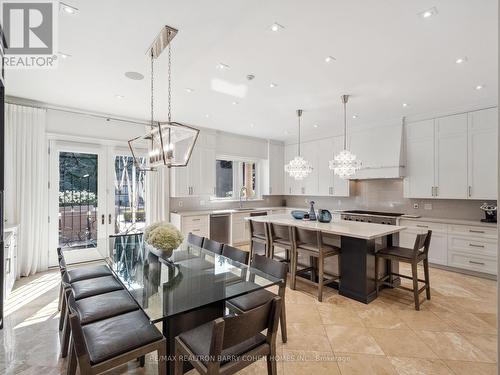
[274,169]
[483,143]
[453,157]
[198,177]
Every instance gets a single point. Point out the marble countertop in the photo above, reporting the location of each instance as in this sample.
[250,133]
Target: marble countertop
[355,229]
[450,221]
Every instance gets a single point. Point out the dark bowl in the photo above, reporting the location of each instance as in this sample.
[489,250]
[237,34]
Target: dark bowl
[299,215]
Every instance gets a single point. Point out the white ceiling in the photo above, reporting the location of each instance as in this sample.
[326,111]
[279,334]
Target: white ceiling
[385,55]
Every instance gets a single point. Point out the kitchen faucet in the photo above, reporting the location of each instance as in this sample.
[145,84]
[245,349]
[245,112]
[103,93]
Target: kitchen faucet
[243,189]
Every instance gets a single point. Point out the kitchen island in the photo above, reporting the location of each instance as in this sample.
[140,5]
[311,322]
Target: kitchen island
[359,243]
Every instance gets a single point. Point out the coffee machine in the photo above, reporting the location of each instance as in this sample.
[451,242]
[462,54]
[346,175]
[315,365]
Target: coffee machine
[490,213]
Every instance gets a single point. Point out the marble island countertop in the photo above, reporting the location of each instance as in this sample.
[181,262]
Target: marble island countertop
[355,229]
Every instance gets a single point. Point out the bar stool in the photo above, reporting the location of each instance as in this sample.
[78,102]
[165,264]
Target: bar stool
[280,236]
[310,242]
[258,235]
[414,256]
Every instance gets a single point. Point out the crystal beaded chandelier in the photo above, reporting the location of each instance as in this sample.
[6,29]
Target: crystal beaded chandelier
[345,164]
[167,143]
[298,167]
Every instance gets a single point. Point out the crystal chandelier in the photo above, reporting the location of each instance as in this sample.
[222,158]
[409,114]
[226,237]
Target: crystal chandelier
[345,164]
[166,143]
[298,167]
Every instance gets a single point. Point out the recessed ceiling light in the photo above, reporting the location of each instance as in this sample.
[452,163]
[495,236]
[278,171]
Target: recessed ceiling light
[479,87]
[354,116]
[136,76]
[235,103]
[428,13]
[207,116]
[68,8]
[461,60]
[405,105]
[276,27]
[190,90]
[222,66]
[119,96]
[272,85]
[287,132]
[329,59]
[252,125]
[64,55]
[315,125]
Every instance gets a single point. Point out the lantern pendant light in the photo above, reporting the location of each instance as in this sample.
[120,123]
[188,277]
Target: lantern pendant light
[298,167]
[167,143]
[345,164]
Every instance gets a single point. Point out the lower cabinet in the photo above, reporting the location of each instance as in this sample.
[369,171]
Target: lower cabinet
[467,247]
[10,260]
[198,224]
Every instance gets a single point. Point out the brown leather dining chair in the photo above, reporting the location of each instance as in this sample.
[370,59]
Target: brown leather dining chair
[235,254]
[227,345]
[211,245]
[419,253]
[309,242]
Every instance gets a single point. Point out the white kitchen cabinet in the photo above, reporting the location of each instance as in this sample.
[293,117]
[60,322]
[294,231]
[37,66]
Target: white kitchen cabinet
[275,169]
[240,232]
[310,152]
[450,171]
[196,224]
[10,260]
[482,147]
[438,250]
[198,177]
[325,174]
[292,186]
[419,181]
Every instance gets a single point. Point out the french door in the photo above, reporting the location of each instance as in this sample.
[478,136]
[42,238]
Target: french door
[95,191]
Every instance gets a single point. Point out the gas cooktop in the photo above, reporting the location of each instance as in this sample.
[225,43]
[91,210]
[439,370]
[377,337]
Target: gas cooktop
[372,213]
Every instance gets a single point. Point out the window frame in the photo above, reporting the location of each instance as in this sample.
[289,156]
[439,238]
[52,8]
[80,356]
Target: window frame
[238,178]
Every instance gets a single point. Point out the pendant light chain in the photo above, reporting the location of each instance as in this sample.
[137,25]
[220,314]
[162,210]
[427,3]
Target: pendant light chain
[152,90]
[345,125]
[169,79]
[299,113]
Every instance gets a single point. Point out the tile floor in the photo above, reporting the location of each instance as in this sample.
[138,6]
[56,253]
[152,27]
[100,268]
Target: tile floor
[454,333]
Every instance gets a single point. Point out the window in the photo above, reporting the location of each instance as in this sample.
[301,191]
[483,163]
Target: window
[235,177]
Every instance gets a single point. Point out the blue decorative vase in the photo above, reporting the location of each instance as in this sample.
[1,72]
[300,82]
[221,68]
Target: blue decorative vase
[312,213]
[324,216]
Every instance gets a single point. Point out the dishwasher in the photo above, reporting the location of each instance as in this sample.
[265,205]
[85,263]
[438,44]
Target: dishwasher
[220,227]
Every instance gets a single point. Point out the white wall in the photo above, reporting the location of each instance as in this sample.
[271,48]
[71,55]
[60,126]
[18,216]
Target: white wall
[237,145]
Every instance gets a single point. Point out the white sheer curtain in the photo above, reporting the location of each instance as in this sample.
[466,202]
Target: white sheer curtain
[26,185]
[157,196]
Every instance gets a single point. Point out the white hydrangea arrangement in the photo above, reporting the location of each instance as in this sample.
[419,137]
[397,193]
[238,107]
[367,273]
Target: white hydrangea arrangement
[163,236]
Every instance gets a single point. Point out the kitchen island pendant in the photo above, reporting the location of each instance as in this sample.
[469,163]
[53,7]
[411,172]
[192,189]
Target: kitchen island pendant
[298,168]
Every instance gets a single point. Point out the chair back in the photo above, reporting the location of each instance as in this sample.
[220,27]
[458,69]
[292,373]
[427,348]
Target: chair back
[235,254]
[307,237]
[211,245]
[195,240]
[79,342]
[270,266]
[279,231]
[240,328]
[422,243]
[258,229]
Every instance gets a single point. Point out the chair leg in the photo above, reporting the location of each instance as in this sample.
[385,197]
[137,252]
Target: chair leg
[71,369]
[293,269]
[272,369]
[62,315]
[142,360]
[321,280]
[312,262]
[179,365]
[162,359]
[61,297]
[427,283]
[376,276]
[415,285]
[284,337]
[65,338]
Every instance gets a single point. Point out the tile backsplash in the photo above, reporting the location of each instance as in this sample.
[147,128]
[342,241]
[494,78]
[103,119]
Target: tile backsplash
[375,195]
[387,195]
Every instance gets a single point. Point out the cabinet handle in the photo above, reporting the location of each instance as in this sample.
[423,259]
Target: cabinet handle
[474,245]
[470,191]
[109,219]
[196,219]
[102,219]
[195,230]
[473,262]
[422,226]
[432,191]
[437,191]
[476,231]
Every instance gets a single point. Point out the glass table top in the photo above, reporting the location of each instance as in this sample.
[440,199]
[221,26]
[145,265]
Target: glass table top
[190,278]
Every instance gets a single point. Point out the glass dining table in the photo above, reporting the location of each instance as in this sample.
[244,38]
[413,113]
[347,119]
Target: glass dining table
[184,290]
